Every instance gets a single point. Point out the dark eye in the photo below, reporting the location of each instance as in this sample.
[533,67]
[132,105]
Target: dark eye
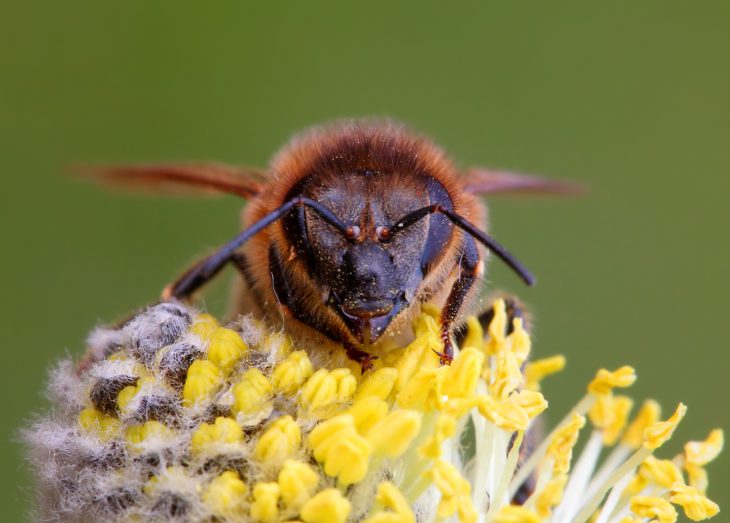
[352,232]
[383,233]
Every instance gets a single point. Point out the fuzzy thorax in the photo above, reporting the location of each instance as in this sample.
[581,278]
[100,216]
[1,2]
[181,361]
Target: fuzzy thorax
[175,417]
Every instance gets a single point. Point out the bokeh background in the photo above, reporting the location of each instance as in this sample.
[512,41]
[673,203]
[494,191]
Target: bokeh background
[632,98]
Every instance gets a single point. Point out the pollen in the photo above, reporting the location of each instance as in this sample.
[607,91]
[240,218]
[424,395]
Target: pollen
[192,419]
[225,348]
[291,374]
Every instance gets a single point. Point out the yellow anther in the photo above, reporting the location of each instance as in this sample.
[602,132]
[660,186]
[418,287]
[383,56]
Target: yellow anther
[343,451]
[326,433]
[455,492]
[520,340]
[703,452]
[325,388]
[98,423]
[463,374]
[696,506]
[419,355]
[217,437]
[327,506]
[649,414]
[536,371]
[424,390]
[367,412]
[251,392]
[279,441]
[532,402]
[661,472]
[398,508]
[653,507]
[139,436]
[224,495]
[605,381]
[551,495]
[506,375]
[562,443]
[515,514]
[203,326]
[264,506]
[496,329]
[278,344]
[391,436]
[504,414]
[658,433]
[622,406]
[445,428]
[203,381]
[379,384]
[474,334]
[697,476]
[226,348]
[291,373]
[297,482]
[609,413]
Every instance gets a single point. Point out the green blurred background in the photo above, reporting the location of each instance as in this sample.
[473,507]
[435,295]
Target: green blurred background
[632,98]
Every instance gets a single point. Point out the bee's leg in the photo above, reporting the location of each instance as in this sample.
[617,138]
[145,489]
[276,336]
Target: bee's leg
[365,359]
[468,267]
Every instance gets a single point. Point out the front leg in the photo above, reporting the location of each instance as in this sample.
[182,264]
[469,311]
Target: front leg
[468,269]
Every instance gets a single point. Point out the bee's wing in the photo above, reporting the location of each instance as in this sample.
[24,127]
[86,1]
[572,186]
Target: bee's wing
[181,179]
[486,181]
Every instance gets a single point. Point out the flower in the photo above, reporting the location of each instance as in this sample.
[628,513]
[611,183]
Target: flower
[183,419]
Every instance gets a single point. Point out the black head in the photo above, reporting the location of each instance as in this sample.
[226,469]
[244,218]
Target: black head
[367,275]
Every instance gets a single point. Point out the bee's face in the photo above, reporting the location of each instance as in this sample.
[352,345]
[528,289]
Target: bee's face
[367,281]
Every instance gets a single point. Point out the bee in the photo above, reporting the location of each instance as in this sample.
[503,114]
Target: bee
[352,226]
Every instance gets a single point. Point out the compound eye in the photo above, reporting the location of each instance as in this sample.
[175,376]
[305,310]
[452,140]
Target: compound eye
[383,233]
[352,232]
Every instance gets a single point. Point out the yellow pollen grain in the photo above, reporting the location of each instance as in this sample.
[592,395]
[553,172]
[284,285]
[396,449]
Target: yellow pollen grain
[203,381]
[503,414]
[658,433]
[251,392]
[203,326]
[474,334]
[226,348]
[696,506]
[279,441]
[463,375]
[703,452]
[209,437]
[297,483]
[138,435]
[605,380]
[649,414]
[291,373]
[224,496]
[327,506]
[562,443]
[264,506]
[391,436]
[367,412]
[536,371]
[397,508]
[378,384]
[551,495]
[98,423]
[653,507]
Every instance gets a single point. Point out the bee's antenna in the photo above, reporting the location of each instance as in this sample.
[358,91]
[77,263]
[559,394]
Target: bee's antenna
[209,267]
[461,222]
